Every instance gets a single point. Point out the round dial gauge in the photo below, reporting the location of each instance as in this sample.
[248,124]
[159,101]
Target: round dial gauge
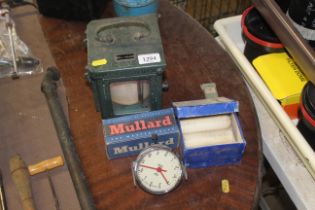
[158,170]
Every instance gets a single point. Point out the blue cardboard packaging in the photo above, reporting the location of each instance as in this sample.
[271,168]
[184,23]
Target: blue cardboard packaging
[211,132]
[128,135]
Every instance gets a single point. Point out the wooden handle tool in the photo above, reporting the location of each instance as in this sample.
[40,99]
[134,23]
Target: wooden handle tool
[21,179]
[44,166]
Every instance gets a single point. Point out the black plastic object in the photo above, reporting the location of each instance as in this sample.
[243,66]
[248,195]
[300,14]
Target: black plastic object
[283,4]
[49,88]
[258,36]
[72,9]
[307,114]
[302,13]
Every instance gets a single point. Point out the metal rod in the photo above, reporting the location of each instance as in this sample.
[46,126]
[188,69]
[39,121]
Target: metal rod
[9,26]
[12,46]
[140,85]
[54,194]
[3,205]
[49,88]
[298,48]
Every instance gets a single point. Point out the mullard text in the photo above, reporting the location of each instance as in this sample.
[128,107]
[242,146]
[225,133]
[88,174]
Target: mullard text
[140,146]
[140,125]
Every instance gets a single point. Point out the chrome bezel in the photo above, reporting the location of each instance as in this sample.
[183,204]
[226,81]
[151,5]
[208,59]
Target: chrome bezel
[143,154]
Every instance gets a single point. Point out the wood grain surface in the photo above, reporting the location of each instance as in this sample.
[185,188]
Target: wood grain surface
[193,57]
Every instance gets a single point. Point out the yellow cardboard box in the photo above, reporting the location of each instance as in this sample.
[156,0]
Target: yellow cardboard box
[282,76]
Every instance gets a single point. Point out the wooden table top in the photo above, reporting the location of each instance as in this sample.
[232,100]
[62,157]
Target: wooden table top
[193,57]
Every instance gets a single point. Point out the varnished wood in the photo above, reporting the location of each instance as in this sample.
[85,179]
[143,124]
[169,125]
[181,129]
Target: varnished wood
[193,57]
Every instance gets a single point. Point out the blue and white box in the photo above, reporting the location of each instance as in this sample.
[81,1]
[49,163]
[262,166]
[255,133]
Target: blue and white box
[211,132]
[128,135]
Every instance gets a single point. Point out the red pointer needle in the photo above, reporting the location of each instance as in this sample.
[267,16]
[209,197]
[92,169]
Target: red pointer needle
[161,172]
[158,169]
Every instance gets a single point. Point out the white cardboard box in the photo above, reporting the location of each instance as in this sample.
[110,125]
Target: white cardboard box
[285,148]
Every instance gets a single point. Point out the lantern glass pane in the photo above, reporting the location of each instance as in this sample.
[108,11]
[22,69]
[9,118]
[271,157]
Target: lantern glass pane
[130,97]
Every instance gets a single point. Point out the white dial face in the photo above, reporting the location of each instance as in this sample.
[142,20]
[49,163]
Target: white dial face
[158,171]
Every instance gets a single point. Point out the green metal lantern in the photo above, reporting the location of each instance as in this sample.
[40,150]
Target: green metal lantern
[125,64]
